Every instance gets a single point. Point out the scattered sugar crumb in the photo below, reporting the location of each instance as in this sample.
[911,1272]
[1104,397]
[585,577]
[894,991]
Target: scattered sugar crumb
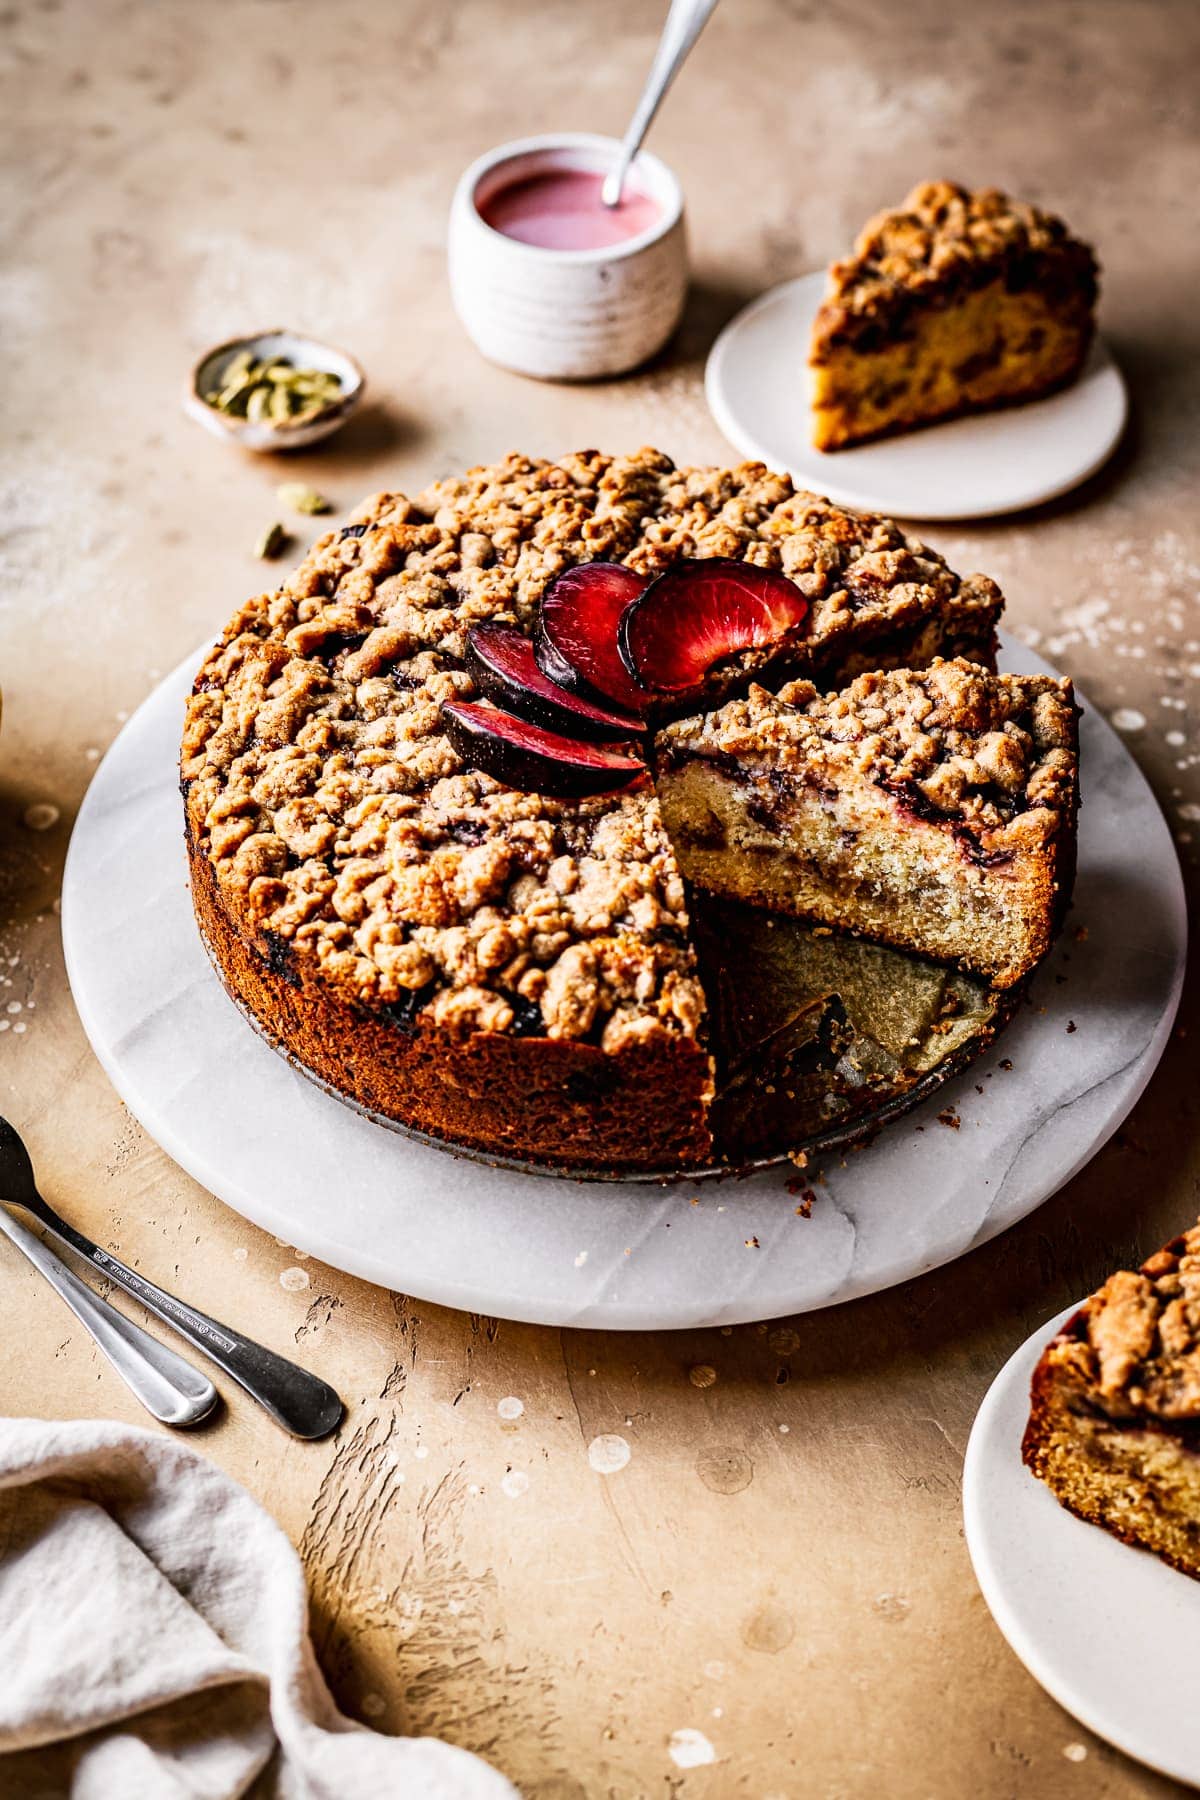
[1075,1752]
[515,1483]
[892,1607]
[374,1705]
[41,816]
[1128,718]
[294,1280]
[510,1407]
[608,1453]
[421,1452]
[690,1749]
[581,1259]
[703,1375]
[241,1253]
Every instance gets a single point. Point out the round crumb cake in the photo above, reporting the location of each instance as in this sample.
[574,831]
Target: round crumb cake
[502,969]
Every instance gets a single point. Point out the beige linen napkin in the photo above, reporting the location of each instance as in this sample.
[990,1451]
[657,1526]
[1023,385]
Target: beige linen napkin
[154,1639]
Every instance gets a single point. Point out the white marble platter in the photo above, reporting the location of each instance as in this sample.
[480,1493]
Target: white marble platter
[1109,1631]
[756,383]
[618,1255]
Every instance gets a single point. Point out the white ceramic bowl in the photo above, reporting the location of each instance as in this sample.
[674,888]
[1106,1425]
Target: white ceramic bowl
[566,315]
[266,434]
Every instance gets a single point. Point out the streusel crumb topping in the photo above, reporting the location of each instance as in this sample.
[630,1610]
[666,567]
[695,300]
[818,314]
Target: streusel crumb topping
[945,239]
[974,748]
[1136,1346]
[338,818]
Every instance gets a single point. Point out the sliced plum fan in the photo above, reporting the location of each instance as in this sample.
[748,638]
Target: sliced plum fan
[501,661]
[576,638]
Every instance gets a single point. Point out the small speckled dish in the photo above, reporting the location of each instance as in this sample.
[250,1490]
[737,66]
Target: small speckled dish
[268,434]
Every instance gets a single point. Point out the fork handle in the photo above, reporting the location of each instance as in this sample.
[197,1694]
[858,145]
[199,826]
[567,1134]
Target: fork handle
[166,1385]
[302,1403]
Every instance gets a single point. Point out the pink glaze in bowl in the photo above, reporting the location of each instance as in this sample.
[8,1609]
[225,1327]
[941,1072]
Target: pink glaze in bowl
[560,310]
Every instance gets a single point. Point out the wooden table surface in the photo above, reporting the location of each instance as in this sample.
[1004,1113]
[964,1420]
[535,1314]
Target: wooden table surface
[781,1565]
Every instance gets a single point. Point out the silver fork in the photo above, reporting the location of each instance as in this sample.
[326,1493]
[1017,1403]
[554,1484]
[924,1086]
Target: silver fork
[302,1403]
[166,1385]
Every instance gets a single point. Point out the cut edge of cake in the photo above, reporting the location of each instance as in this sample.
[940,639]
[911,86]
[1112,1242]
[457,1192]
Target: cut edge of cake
[933,809]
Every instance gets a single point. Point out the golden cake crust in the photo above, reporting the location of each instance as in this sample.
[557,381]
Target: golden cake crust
[945,240]
[1133,1349]
[332,825]
[994,755]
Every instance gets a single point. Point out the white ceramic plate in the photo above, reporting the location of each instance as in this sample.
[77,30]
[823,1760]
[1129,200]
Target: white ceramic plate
[1110,1632]
[621,1255]
[757,387]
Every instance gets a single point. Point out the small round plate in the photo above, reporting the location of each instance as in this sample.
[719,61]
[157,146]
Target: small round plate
[619,1255]
[972,468]
[1110,1632]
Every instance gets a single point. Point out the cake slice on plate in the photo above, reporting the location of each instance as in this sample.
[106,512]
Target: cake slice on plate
[952,303]
[929,809]
[1114,1426]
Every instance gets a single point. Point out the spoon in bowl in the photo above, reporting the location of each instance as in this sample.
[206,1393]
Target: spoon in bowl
[686,19]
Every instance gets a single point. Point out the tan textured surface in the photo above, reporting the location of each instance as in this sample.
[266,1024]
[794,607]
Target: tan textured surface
[813,1584]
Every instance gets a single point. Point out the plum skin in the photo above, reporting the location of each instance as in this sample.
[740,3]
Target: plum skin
[503,666]
[530,759]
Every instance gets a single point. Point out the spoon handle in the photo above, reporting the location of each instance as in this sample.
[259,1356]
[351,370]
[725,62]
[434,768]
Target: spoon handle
[685,21]
[302,1403]
[166,1385]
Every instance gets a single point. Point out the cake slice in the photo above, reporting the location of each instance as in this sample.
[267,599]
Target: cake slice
[952,303]
[1114,1424]
[930,809]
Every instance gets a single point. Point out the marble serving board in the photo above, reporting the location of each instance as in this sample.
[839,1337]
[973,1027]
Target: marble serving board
[993,1144]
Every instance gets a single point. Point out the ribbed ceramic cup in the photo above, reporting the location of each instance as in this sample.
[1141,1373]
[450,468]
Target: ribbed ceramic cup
[566,315]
